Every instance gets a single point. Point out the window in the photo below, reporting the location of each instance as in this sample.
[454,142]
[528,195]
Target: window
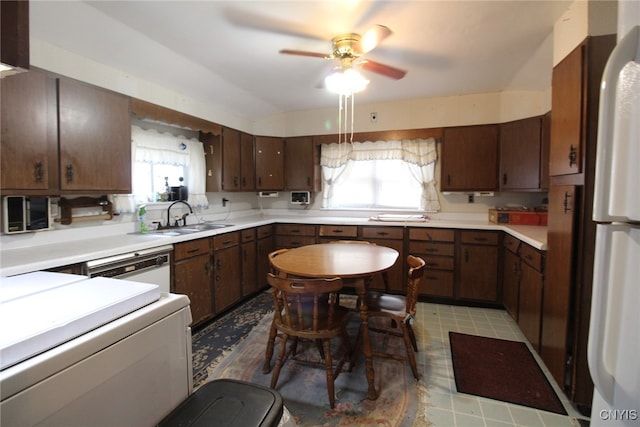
[161,158]
[380,175]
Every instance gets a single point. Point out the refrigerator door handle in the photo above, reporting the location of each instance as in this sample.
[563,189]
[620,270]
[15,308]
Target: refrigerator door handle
[603,380]
[614,152]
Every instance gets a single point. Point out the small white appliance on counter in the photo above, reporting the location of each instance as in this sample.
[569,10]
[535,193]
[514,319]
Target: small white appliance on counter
[614,345]
[78,351]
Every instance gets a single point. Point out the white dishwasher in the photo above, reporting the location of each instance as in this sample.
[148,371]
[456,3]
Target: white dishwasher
[146,266]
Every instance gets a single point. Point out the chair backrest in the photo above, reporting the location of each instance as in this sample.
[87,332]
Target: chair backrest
[414,277]
[272,255]
[305,304]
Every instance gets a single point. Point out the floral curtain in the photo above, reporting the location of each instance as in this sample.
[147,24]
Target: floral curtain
[420,154]
[151,146]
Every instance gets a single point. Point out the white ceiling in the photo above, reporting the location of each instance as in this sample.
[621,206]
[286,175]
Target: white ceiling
[227,52]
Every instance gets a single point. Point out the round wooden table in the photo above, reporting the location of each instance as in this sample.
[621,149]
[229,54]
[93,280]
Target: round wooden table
[345,260]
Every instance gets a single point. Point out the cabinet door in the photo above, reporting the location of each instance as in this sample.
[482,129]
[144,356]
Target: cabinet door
[269,163]
[25,150]
[559,274]
[520,150]
[264,247]
[249,257]
[226,278]
[212,145]
[247,163]
[511,283]
[478,264]
[470,158]
[94,138]
[566,123]
[395,274]
[530,299]
[192,278]
[231,159]
[299,163]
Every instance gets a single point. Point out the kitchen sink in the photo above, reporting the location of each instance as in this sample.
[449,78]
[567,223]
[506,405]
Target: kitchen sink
[190,229]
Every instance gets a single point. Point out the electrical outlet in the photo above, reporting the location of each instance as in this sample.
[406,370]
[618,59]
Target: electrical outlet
[471,198]
[374,117]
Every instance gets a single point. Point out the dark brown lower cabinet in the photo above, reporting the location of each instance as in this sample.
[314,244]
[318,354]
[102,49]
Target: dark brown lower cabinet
[530,296]
[192,276]
[478,266]
[226,271]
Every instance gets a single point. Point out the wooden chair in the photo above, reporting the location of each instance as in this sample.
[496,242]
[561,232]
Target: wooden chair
[308,309]
[401,309]
[273,332]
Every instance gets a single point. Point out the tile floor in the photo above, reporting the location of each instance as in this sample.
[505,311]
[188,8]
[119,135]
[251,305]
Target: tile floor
[446,407]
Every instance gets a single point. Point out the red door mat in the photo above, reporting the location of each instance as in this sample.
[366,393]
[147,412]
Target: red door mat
[502,370]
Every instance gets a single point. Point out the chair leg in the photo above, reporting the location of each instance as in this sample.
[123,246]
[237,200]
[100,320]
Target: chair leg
[410,354]
[279,361]
[329,367]
[412,335]
[266,368]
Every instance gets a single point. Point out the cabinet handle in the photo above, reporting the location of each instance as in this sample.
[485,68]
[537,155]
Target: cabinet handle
[432,264]
[480,239]
[207,268]
[69,173]
[259,181]
[337,231]
[244,181]
[567,202]
[504,179]
[572,155]
[382,233]
[448,179]
[235,181]
[309,181]
[218,264]
[39,172]
[432,278]
[466,255]
[431,250]
[193,250]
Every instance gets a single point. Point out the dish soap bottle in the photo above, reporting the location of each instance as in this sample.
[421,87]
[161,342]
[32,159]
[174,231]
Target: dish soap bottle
[142,216]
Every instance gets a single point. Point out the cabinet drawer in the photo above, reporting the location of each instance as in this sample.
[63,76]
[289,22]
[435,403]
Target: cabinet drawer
[438,263]
[479,237]
[264,231]
[531,256]
[338,230]
[226,240]
[437,283]
[511,243]
[294,241]
[382,232]
[191,248]
[295,230]
[248,235]
[429,248]
[431,234]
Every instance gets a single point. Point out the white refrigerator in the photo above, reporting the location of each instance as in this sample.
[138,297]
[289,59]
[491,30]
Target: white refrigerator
[614,332]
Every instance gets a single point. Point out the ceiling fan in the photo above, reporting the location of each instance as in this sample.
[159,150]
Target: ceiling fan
[349,48]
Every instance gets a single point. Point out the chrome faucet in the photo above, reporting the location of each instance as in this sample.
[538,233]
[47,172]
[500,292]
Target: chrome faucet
[184,217]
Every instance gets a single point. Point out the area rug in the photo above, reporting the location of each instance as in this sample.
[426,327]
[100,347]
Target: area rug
[303,387]
[502,370]
[215,340]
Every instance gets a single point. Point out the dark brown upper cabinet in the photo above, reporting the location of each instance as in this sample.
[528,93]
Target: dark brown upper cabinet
[470,158]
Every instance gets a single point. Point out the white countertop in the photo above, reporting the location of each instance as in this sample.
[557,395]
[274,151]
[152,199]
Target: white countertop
[25,253]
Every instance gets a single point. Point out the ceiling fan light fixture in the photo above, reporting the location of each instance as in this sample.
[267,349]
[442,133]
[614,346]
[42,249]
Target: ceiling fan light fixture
[346,82]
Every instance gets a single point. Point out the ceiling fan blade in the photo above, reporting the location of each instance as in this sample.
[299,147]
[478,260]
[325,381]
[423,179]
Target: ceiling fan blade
[373,36]
[305,53]
[385,70]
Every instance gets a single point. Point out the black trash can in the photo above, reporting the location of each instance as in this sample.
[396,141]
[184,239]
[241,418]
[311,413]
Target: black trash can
[227,402]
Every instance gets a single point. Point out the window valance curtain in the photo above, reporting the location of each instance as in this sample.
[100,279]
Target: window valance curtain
[151,146]
[420,154]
